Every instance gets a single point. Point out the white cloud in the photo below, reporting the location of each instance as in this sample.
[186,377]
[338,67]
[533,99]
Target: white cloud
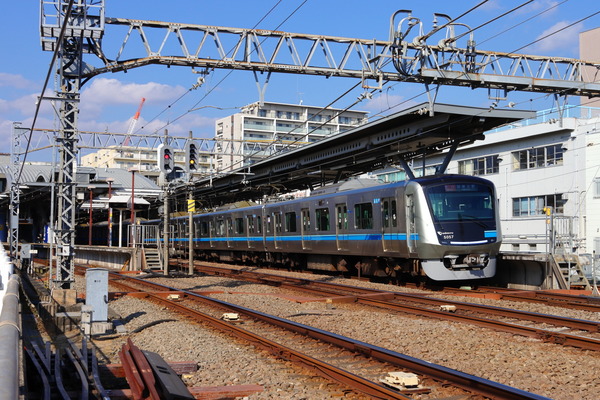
[563,43]
[104,92]
[16,81]
[386,103]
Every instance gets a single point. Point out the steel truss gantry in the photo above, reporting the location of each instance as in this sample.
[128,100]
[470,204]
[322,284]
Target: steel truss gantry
[395,59]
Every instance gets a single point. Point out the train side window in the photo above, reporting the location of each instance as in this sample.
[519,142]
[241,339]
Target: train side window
[322,216]
[394,214]
[239,225]
[258,224]
[203,228]
[229,227]
[290,221]
[363,214]
[250,221]
[220,227]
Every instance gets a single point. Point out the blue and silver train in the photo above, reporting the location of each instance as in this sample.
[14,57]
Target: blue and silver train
[444,227]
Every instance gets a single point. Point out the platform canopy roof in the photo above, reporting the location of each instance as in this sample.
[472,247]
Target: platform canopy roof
[410,134]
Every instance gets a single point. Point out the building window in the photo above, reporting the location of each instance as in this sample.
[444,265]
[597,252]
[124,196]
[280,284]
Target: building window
[538,157]
[596,187]
[529,206]
[480,165]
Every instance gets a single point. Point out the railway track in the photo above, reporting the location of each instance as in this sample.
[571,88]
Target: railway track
[575,302]
[548,328]
[319,350]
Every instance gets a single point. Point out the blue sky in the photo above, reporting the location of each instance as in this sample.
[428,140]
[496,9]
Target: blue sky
[109,101]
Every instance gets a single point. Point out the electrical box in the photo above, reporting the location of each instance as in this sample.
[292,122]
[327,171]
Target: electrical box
[96,293]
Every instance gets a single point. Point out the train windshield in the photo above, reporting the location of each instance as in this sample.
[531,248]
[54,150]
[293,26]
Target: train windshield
[461,202]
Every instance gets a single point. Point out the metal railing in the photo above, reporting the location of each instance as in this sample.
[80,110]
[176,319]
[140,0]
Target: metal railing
[9,329]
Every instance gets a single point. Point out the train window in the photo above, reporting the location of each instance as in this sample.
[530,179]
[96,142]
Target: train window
[305,220]
[322,215]
[290,221]
[239,225]
[258,224]
[250,221]
[203,228]
[394,214]
[342,216]
[363,214]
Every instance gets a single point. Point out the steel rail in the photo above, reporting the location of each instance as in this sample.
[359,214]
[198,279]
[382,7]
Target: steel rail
[577,302]
[330,288]
[437,372]
[324,369]
[542,334]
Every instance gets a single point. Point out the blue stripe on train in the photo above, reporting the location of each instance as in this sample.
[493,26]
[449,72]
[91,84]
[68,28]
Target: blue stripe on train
[297,238]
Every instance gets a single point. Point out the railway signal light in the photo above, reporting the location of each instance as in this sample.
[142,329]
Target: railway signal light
[191,156]
[165,158]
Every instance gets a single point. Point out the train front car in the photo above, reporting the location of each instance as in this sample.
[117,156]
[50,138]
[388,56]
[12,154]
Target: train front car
[453,226]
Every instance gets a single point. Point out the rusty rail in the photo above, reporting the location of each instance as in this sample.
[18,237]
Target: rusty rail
[439,373]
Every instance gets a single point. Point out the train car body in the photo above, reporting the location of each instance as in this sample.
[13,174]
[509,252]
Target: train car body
[445,227]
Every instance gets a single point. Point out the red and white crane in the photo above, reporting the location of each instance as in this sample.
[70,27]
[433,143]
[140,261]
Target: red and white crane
[133,122]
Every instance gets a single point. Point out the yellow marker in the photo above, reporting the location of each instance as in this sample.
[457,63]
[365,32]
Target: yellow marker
[191,205]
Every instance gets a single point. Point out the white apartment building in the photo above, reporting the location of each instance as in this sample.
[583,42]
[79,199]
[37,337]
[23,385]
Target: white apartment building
[545,162]
[261,130]
[140,158]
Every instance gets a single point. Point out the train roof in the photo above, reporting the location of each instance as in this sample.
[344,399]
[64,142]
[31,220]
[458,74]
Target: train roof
[351,184]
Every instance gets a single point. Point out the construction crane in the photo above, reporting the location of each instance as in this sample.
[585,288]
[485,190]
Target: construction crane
[133,123]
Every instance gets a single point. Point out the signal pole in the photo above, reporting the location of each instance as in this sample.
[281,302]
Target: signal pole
[191,162]
[166,165]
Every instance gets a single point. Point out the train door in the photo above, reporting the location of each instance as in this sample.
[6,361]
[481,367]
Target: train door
[251,231]
[411,231]
[229,232]
[389,224]
[277,230]
[341,226]
[305,229]
[268,220]
[211,233]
